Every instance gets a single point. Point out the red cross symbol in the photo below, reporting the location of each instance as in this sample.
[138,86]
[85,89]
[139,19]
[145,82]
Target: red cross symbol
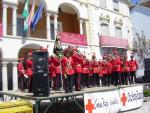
[123,99]
[89,106]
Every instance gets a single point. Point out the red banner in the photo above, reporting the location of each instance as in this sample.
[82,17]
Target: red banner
[106,41]
[72,38]
[1,31]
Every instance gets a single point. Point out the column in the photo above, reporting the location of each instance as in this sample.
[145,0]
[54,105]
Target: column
[48,24]
[15,76]
[55,25]
[4,76]
[5,19]
[14,21]
[81,26]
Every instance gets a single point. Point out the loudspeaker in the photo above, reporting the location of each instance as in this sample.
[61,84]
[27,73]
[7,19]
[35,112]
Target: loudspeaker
[147,76]
[40,74]
[147,64]
[41,84]
[40,61]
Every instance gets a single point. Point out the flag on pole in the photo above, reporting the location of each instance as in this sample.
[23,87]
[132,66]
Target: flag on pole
[26,13]
[29,18]
[37,16]
[58,50]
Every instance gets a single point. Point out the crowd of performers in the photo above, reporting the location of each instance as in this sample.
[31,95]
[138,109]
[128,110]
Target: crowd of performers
[79,72]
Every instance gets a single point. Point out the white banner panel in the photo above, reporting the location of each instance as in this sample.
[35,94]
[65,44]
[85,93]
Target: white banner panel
[131,97]
[102,102]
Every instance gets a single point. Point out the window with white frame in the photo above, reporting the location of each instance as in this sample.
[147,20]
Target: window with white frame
[115,5]
[118,32]
[104,29]
[102,3]
[59,25]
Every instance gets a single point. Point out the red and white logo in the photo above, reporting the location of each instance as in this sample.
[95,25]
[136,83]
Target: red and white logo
[89,106]
[124,99]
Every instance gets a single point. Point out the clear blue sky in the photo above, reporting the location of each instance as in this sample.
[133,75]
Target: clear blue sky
[134,1]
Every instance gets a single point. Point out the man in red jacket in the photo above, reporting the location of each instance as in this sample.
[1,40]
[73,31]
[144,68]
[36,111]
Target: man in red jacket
[133,69]
[68,72]
[77,58]
[29,71]
[21,73]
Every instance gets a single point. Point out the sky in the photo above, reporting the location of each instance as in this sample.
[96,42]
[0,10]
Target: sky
[134,1]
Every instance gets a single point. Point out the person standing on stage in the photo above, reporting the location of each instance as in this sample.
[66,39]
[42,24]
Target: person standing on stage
[78,60]
[85,73]
[68,71]
[29,71]
[126,69]
[117,70]
[95,71]
[133,69]
[21,73]
[105,70]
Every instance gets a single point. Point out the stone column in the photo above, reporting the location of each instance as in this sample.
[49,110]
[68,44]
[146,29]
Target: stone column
[48,24]
[81,26]
[15,76]
[5,19]
[55,25]
[4,76]
[14,21]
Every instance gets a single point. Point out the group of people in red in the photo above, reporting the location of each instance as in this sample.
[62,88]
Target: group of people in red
[79,72]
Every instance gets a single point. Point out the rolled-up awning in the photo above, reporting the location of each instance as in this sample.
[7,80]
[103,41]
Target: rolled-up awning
[106,41]
[72,38]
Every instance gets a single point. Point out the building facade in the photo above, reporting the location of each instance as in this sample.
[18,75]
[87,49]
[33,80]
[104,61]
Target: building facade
[105,24]
[140,13]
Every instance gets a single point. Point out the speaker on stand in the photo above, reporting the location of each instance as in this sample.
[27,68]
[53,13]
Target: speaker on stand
[40,74]
[147,70]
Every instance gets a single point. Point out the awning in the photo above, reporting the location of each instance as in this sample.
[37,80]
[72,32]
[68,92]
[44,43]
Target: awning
[106,41]
[72,38]
[1,31]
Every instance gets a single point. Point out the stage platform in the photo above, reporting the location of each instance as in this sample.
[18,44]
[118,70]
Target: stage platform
[58,96]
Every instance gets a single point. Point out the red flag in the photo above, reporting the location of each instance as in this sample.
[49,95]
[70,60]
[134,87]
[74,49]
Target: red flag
[1,31]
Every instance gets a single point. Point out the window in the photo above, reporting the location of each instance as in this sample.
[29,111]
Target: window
[115,5]
[20,27]
[118,32]
[52,29]
[104,29]
[102,3]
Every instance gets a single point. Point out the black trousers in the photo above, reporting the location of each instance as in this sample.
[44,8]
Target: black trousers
[68,83]
[77,80]
[133,76]
[127,77]
[85,81]
[117,78]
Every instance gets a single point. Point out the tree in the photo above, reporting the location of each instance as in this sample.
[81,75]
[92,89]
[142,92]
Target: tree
[141,46]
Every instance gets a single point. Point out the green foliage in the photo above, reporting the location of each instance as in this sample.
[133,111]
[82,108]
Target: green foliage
[146,93]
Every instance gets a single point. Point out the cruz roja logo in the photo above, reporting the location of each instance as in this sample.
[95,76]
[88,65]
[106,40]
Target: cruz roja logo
[89,106]
[124,99]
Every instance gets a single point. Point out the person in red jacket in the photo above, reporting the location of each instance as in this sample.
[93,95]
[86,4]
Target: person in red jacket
[95,71]
[29,71]
[85,72]
[133,69]
[126,70]
[78,60]
[117,70]
[68,72]
[21,73]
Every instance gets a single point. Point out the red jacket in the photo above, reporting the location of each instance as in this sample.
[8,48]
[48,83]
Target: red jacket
[67,66]
[20,69]
[126,67]
[117,65]
[133,65]
[78,60]
[95,66]
[100,68]
[86,66]
[105,67]
[56,62]
[29,65]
